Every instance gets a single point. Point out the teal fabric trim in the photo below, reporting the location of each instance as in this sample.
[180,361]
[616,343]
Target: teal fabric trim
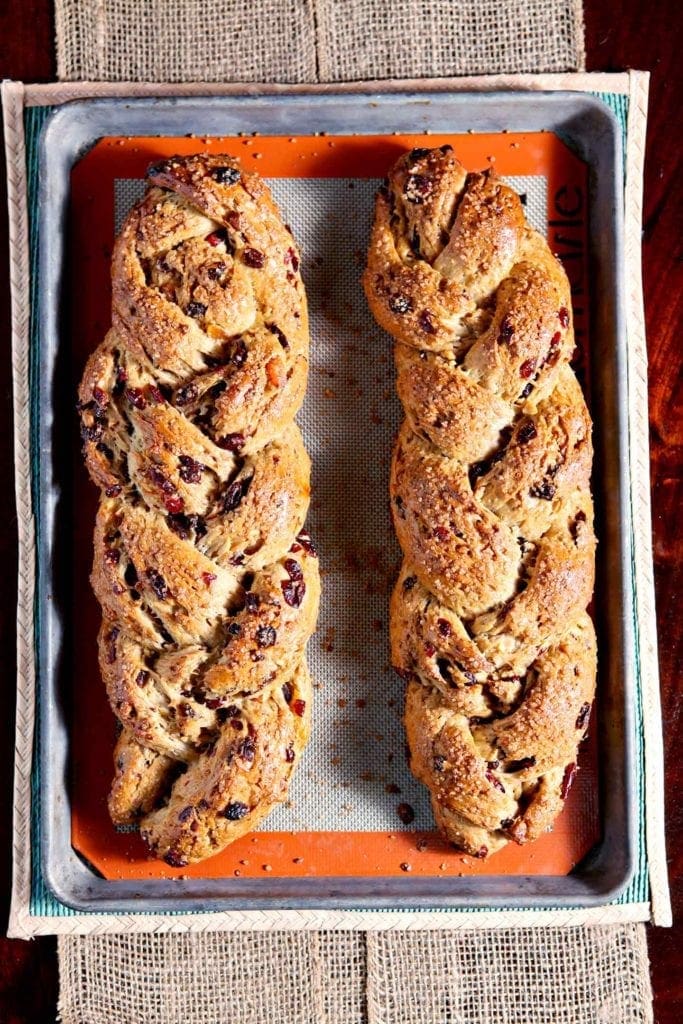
[43,902]
[639,890]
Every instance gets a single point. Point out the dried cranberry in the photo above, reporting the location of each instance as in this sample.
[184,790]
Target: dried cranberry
[527,368]
[196,309]
[112,637]
[246,749]
[265,636]
[400,304]
[441,533]
[281,337]
[186,394]
[100,397]
[225,175]
[112,556]
[527,432]
[292,259]
[555,340]
[253,258]
[544,491]
[293,569]
[495,781]
[114,491]
[426,322]
[174,504]
[154,394]
[190,470]
[307,544]
[208,578]
[136,397]
[409,582]
[158,584]
[234,811]
[233,219]
[289,755]
[235,493]
[232,442]
[293,592]
[563,316]
[429,649]
[405,813]
[444,627]
[142,677]
[583,716]
[298,707]
[418,187]
[160,480]
[216,237]
[568,778]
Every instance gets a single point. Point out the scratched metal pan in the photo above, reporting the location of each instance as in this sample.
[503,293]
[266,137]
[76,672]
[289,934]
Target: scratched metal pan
[592,132]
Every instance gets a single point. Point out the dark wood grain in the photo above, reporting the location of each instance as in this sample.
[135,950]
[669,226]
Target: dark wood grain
[633,34]
[646,36]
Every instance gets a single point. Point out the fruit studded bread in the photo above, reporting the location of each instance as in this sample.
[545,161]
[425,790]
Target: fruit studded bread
[490,499]
[208,587]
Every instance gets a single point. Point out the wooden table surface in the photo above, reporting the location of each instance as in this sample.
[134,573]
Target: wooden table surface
[637,35]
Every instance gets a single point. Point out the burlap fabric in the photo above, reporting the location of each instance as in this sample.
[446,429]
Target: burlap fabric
[530,975]
[505,976]
[313,40]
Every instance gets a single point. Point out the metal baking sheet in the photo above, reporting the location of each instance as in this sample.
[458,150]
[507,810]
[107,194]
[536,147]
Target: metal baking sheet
[591,131]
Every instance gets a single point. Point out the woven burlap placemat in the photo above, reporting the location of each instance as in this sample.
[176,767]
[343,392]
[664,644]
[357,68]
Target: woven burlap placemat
[508,976]
[528,974]
[313,40]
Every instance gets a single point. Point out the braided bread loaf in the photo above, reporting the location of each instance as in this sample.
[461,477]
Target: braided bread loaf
[209,590]
[490,500]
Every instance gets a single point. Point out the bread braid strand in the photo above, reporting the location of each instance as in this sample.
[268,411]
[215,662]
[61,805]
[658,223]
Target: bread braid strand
[490,500]
[208,585]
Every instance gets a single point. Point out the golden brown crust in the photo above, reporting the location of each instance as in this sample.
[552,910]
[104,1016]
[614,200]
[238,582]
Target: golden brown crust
[490,500]
[209,589]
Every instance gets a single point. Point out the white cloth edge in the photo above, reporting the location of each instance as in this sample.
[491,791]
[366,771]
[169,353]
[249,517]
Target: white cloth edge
[22,924]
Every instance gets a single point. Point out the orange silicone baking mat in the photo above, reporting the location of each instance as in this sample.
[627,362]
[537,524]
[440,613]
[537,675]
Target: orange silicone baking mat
[353,782]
